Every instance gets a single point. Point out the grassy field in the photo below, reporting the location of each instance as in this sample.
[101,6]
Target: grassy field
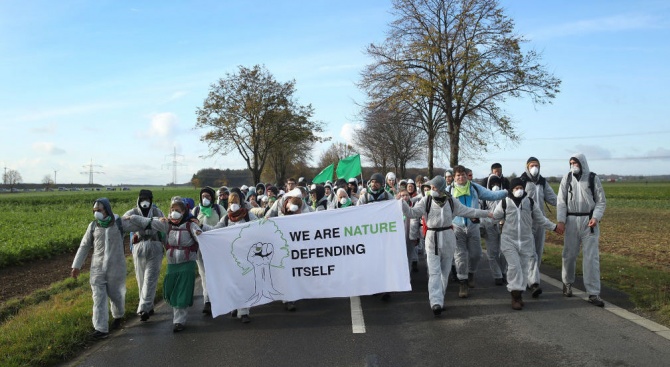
[51,325]
[38,225]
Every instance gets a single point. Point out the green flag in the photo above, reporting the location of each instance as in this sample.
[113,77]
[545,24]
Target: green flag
[349,167]
[325,175]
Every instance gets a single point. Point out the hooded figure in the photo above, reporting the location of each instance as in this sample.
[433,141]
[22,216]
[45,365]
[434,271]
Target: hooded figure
[320,200]
[147,254]
[277,208]
[580,207]
[223,197]
[440,239]
[181,252]
[517,243]
[390,184]
[260,189]
[108,267]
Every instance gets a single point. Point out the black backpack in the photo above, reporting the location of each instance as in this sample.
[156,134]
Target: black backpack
[504,204]
[592,184]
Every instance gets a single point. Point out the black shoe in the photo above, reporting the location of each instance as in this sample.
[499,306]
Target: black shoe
[386,297]
[144,316]
[415,267]
[499,281]
[177,328]
[116,324]
[233,313]
[151,312]
[471,280]
[567,289]
[535,290]
[207,310]
[437,310]
[245,319]
[290,306]
[97,335]
[596,301]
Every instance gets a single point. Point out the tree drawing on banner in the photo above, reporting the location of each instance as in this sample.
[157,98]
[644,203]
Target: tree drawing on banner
[260,257]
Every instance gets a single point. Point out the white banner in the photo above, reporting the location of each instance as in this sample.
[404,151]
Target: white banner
[332,253]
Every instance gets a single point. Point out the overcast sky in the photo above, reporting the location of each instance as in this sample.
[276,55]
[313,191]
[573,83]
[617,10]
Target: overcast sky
[116,84]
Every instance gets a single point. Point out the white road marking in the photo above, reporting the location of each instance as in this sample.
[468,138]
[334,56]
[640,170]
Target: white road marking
[357,322]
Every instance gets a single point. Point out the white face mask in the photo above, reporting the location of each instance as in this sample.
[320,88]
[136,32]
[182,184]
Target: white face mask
[234,207]
[344,201]
[293,208]
[575,169]
[435,194]
[534,170]
[518,193]
[175,215]
[99,215]
[145,204]
[206,202]
[495,188]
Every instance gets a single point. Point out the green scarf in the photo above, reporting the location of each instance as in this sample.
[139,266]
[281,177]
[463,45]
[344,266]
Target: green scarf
[206,210]
[461,190]
[105,222]
[349,202]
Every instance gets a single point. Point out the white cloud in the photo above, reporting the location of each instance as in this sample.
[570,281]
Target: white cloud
[47,148]
[162,125]
[347,132]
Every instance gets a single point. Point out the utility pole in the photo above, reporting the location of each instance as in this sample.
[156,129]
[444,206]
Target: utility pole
[174,164]
[4,177]
[90,171]
[55,177]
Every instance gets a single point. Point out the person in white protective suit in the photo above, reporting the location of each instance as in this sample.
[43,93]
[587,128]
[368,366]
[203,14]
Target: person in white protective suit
[468,237]
[237,214]
[108,267]
[496,259]
[440,238]
[580,207]
[210,213]
[541,192]
[181,230]
[520,214]
[147,254]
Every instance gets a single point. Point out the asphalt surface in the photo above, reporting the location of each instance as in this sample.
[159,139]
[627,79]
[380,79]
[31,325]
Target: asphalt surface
[481,330]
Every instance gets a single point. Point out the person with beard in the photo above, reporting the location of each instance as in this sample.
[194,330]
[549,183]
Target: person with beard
[207,213]
[108,267]
[181,229]
[147,254]
[541,192]
[439,209]
[520,214]
[492,228]
[237,214]
[580,207]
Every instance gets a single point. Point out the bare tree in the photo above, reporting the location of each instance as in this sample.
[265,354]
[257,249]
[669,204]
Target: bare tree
[334,153]
[12,178]
[463,57]
[252,112]
[48,182]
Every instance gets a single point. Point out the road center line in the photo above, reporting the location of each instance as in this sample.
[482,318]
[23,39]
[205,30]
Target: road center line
[357,322]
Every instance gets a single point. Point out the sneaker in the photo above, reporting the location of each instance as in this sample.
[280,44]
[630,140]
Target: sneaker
[567,289]
[245,319]
[535,290]
[415,267]
[144,316]
[177,328]
[386,297]
[596,301]
[97,335]
[116,324]
[463,289]
[499,281]
[290,306]
[437,310]
[207,310]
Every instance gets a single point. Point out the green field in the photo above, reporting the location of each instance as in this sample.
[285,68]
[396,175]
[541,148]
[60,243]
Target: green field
[38,225]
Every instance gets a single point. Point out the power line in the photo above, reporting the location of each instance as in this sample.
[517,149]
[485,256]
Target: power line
[174,165]
[90,171]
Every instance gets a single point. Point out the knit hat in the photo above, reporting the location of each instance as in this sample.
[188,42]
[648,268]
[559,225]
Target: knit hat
[377,177]
[439,182]
[514,183]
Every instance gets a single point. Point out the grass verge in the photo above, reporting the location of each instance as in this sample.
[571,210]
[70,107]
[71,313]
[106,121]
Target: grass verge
[51,326]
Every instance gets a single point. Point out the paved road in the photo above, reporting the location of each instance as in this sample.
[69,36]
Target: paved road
[481,330]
